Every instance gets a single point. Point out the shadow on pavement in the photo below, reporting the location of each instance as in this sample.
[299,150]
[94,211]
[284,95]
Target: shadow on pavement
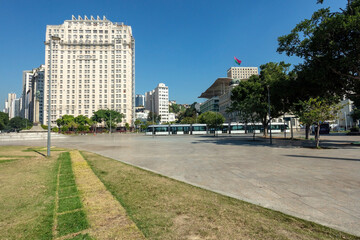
[277,142]
[333,158]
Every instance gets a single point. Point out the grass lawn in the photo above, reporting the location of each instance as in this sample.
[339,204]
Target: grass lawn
[164,208]
[27,193]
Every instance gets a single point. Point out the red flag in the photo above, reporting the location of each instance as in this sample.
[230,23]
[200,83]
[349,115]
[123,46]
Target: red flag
[237,61]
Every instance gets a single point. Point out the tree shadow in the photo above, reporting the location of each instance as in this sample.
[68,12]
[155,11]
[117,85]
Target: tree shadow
[247,140]
[332,158]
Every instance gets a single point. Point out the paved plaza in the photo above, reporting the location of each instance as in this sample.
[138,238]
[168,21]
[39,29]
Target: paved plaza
[318,185]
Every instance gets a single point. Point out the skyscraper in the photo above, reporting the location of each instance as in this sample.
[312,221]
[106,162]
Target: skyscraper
[157,101]
[10,105]
[25,98]
[139,100]
[92,68]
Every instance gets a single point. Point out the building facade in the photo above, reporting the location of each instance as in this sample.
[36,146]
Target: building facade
[139,100]
[92,68]
[157,101]
[25,95]
[242,72]
[10,105]
[36,95]
[211,104]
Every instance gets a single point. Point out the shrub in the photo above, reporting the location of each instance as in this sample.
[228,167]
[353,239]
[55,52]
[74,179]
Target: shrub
[355,129]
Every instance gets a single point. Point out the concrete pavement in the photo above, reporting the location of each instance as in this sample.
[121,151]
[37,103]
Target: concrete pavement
[318,185]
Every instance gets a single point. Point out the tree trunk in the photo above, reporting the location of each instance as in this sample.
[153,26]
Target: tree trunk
[307,131]
[317,137]
[265,130]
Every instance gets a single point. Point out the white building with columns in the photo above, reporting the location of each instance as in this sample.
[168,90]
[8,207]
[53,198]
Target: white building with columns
[92,68]
[157,101]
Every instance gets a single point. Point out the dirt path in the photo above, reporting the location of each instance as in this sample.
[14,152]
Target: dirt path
[107,218]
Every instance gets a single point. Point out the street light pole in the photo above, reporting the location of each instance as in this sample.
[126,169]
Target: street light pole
[110,122]
[49,98]
[268,88]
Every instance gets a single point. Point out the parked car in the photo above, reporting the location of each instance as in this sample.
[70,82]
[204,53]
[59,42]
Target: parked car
[324,128]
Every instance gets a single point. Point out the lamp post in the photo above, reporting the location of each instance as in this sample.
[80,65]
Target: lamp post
[49,98]
[110,121]
[268,88]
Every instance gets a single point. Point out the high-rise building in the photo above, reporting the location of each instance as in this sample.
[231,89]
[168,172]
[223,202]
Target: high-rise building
[157,101]
[10,105]
[25,97]
[92,68]
[139,100]
[36,95]
[242,72]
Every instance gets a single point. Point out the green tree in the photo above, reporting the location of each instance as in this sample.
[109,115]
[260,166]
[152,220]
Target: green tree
[356,115]
[107,116]
[67,122]
[189,112]
[83,123]
[127,126]
[137,123]
[329,43]
[247,109]
[154,117]
[317,111]
[212,119]
[174,108]
[188,120]
[19,123]
[4,120]
[250,98]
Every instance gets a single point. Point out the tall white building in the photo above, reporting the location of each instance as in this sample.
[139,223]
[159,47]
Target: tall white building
[25,97]
[242,72]
[157,101]
[92,68]
[10,105]
[36,95]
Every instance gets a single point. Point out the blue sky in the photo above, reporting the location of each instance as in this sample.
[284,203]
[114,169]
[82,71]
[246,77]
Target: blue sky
[185,44]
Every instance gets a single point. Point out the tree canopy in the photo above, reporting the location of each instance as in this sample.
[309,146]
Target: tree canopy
[107,116]
[317,111]
[250,98]
[188,113]
[174,108]
[329,43]
[212,119]
[19,123]
[4,120]
[153,117]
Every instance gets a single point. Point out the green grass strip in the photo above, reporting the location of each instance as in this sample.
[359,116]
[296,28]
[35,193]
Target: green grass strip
[69,204]
[68,192]
[72,222]
[69,200]
[81,237]
[8,160]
